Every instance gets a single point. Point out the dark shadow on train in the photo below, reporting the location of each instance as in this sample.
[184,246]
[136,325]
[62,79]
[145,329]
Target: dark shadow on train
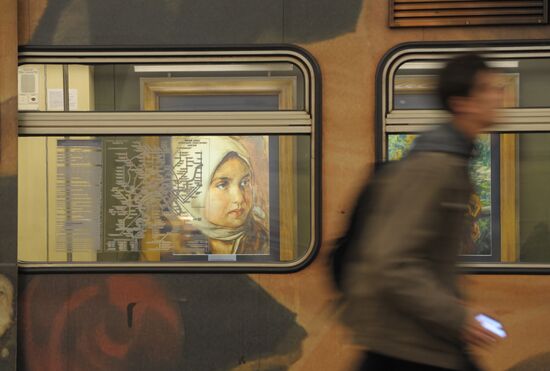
[162,322]
[193,22]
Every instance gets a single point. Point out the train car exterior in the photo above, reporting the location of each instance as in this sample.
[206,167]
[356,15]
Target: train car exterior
[111,317]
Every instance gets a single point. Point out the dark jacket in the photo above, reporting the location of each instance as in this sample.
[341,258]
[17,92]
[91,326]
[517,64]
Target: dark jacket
[403,299]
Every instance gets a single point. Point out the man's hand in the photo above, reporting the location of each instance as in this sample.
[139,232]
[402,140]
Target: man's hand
[474,334]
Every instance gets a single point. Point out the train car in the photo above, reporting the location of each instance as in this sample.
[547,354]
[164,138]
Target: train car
[173,174]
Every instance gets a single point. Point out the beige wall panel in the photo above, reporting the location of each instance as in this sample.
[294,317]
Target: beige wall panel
[81,86]
[32,201]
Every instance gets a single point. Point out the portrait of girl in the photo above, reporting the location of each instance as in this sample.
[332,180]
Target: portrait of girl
[228,206]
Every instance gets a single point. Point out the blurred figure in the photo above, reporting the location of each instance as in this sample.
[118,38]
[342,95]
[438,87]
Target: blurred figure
[403,301]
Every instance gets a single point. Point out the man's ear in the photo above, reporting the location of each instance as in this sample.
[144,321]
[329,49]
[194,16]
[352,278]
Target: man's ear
[459,104]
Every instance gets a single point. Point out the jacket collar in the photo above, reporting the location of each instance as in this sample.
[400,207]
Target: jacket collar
[445,138]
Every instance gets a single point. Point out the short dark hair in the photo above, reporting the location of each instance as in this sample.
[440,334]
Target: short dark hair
[458,77]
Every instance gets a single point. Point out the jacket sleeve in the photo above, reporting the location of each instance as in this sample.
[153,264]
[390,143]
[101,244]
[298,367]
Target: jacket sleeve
[404,265]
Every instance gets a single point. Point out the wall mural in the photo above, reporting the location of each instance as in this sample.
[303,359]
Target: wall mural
[161,322]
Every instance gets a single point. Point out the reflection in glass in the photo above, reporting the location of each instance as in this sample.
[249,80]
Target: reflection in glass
[534,197]
[523,84]
[239,102]
[183,87]
[167,198]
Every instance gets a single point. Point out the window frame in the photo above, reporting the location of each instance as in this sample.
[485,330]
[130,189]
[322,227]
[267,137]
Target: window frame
[510,120]
[306,121]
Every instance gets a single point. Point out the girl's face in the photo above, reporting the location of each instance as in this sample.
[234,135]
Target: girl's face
[229,196]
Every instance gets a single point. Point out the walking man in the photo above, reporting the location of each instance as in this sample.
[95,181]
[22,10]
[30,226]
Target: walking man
[403,302]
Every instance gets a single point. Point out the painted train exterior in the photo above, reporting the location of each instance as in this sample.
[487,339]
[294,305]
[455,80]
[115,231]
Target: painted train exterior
[246,320]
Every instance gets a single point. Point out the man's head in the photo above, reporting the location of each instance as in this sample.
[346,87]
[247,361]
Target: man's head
[469,89]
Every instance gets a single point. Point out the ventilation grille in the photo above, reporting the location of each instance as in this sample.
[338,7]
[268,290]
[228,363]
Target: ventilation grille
[415,13]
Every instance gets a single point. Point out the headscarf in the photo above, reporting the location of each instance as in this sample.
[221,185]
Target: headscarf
[207,153]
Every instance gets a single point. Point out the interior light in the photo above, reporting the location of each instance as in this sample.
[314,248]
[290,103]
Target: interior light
[252,67]
[439,65]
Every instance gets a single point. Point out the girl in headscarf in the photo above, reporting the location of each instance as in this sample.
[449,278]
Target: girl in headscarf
[222,205]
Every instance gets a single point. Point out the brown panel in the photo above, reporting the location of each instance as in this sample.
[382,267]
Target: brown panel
[508,173]
[8,88]
[23,17]
[29,13]
[8,183]
[508,198]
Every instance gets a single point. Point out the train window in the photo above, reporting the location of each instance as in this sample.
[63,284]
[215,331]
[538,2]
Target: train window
[109,87]
[168,160]
[509,208]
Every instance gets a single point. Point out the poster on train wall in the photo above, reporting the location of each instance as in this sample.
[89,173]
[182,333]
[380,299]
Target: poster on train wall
[166,198]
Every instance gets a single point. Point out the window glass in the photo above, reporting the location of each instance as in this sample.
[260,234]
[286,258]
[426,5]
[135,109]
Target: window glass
[515,226]
[509,208]
[167,87]
[415,83]
[525,82]
[533,196]
[219,172]
[165,198]
[212,102]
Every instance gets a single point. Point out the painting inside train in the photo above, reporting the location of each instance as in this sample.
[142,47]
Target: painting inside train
[235,223]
